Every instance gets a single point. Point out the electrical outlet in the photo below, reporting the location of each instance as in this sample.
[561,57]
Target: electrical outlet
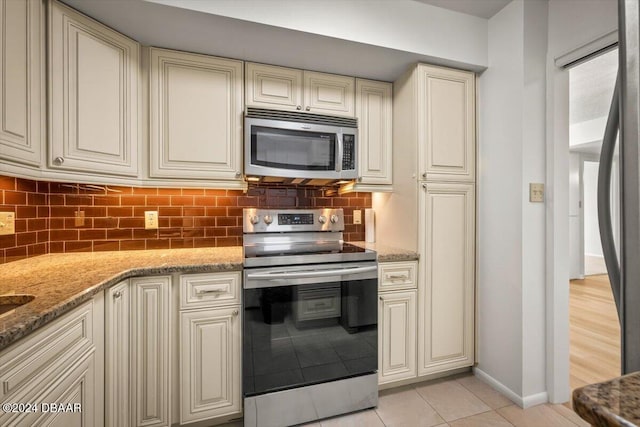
[79,220]
[151,220]
[7,223]
[357,216]
[536,192]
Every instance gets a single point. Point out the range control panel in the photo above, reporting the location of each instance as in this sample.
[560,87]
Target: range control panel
[287,220]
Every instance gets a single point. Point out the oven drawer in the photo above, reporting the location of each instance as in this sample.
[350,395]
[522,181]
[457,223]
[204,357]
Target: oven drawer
[209,289]
[322,302]
[397,275]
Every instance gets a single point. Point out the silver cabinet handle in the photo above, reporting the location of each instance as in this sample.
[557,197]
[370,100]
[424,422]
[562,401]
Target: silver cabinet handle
[58,161]
[424,175]
[235,313]
[209,291]
[238,174]
[381,298]
[424,186]
[398,277]
[359,179]
[308,108]
[299,107]
[117,294]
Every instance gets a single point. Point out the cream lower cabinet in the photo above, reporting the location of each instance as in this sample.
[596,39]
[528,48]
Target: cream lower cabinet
[93,95]
[138,340]
[22,88]
[397,321]
[210,346]
[57,367]
[447,268]
[195,104]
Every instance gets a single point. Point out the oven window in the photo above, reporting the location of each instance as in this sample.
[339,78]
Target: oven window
[308,334]
[293,149]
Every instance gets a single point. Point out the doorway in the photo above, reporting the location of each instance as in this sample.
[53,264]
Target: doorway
[594,329]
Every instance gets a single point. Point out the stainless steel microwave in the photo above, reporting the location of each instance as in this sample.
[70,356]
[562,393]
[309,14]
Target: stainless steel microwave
[299,145]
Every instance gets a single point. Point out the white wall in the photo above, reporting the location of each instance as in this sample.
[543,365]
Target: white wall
[500,195]
[404,25]
[592,244]
[576,254]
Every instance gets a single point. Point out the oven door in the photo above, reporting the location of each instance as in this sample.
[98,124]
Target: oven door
[306,325]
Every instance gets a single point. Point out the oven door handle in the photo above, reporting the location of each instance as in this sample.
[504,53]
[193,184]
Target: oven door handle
[315,273]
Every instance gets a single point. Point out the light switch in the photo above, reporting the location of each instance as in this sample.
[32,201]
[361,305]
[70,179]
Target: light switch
[7,223]
[357,216]
[150,220]
[536,192]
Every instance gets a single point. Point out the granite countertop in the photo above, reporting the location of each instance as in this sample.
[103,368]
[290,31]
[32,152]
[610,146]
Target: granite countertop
[388,253]
[610,403]
[61,282]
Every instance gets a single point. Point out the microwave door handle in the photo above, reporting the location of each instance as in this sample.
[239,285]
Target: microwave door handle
[339,154]
[315,273]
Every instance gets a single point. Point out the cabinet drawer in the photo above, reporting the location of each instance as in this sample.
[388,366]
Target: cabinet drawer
[317,303]
[397,275]
[47,352]
[209,289]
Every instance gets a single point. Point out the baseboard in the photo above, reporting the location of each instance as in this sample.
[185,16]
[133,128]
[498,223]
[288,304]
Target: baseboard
[523,402]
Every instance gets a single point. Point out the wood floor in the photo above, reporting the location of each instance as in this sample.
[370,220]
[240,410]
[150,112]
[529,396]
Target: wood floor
[594,332]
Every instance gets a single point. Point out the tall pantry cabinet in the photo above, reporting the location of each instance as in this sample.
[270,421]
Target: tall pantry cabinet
[434,122]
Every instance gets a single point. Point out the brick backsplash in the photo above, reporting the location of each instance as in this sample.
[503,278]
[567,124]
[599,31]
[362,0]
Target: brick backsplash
[114,215]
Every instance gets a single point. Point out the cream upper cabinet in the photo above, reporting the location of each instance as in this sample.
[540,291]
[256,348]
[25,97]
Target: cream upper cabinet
[195,116]
[375,129]
[22,87]
[445,307]
[329,94]
[93,95]
[270,86]
[446,123]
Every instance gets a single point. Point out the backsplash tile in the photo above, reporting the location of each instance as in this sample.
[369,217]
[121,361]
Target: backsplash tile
[114,215]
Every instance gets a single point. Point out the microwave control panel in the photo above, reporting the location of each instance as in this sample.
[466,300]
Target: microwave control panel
[349,153]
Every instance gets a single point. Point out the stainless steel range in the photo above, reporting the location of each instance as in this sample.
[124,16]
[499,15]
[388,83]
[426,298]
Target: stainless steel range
[310,318]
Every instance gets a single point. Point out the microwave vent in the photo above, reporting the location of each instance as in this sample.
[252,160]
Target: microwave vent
[293,116]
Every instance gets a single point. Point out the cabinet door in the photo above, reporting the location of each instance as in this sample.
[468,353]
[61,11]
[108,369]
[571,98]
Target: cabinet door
[209,363]
[22,81]
[93,97]
[117,354]
[446,292]
[446,124]
[329,94]
[273,87]
[75,395]
[196,116]
[397,336]
[374,113]
[151,349]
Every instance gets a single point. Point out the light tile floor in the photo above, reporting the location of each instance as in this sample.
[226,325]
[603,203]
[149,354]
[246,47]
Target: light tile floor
[462,401]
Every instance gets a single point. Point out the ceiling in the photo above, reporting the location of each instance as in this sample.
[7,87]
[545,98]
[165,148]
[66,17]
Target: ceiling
[481,8]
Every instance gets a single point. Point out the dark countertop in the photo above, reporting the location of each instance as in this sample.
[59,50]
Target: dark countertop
[610,403]
[61,282]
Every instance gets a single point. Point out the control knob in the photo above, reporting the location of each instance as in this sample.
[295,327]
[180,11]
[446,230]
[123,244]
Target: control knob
[322,219]
[268,219]
[254,219]
[334,219]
